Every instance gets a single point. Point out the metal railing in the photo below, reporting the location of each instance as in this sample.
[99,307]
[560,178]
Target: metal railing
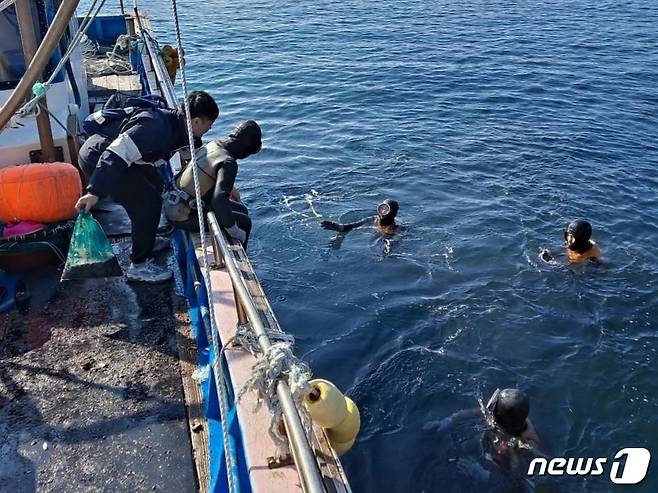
[302,452]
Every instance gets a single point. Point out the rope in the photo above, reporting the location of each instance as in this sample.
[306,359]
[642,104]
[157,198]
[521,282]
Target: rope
[223,400]
[278,362]
[42,107]
[41,88]
[5,4]
[111,63]
[88,47]
[247,339]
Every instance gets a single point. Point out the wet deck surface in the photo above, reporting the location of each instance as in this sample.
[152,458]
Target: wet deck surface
[90,390]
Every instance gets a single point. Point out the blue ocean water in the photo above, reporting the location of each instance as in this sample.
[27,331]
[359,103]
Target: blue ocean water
[493,124]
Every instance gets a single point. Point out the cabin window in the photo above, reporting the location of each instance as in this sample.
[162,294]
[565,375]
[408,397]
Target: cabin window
[12,62]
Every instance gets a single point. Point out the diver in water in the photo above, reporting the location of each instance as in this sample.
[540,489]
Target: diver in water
[508,410]
[510,439]
[580,248]
[384,221]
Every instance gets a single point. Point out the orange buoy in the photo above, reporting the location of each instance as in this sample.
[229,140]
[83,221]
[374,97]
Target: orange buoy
[171,60]
[41,192]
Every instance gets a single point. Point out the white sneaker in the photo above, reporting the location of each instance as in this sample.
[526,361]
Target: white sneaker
[148,272]
[160,244]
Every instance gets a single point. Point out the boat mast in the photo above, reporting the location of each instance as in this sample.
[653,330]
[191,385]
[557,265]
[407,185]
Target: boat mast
[39,61]
[30,45]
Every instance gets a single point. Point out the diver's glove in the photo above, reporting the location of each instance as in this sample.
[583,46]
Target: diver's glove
[331,225]
[237,233]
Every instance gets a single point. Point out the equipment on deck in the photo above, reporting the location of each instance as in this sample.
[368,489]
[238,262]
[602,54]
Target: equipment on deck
[335,412]
[43,192]
[90,253]
[34,248]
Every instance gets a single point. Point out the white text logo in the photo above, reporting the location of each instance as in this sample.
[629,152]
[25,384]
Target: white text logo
[629,466]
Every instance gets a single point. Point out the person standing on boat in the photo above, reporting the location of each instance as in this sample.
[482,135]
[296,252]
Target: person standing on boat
[122,159]
[217,163]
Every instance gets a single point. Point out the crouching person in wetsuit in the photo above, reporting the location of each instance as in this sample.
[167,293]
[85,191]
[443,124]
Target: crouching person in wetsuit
[121,161]
[217,167]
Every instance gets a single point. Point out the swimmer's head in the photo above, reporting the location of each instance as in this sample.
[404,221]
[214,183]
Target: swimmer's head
[577,235]
[386,211]
[511,409]
[244,140]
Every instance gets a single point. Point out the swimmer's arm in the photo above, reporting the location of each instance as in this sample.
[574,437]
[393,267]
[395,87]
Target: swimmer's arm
[442,424]
[596,256]
[599,263]
[344,228]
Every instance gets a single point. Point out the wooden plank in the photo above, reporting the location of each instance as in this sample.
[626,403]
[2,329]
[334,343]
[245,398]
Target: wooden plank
[107,84]
[197,423]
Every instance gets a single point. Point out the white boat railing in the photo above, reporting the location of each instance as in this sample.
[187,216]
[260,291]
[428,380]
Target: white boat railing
[302,451]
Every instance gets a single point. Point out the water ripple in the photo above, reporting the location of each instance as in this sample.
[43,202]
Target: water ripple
[493,124]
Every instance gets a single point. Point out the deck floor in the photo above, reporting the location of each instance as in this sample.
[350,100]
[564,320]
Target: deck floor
[90,390]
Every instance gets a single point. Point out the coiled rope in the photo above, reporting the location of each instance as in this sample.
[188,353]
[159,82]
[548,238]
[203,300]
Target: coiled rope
[110,63]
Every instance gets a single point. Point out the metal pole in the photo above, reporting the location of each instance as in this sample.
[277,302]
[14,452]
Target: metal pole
[305,460]
[29,42]
[123,11]
[39,61]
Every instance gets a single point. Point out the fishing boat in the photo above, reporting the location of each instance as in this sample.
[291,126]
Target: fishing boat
[104,385]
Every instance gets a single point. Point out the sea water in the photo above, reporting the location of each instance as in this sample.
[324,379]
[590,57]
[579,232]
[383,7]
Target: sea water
[494,124]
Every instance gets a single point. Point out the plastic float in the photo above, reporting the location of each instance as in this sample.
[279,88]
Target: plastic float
[41,192]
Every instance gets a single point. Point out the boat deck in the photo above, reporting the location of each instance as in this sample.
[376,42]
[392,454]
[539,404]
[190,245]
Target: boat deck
[259,447]
[102,87]
[96,384]
[90,389]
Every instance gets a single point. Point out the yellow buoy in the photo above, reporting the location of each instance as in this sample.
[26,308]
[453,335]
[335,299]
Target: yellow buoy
[341,448]
[326,405]
[347,429]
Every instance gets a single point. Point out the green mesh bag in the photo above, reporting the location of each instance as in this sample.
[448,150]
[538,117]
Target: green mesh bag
[90,253]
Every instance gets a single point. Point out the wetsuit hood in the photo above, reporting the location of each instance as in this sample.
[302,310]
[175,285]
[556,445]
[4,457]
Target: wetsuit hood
[582,232]
[511,410]
[387,211]
[244,140]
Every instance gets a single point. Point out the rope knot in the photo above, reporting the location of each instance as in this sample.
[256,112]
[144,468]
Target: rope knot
[276,363]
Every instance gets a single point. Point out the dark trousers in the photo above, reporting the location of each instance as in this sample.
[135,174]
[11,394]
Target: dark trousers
[138,191]
[90,153]
[240,213]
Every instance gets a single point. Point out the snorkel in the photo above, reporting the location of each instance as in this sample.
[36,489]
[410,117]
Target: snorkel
[581,232]
[386,212]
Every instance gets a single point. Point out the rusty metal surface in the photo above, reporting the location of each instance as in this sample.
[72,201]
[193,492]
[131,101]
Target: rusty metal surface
[90,390]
